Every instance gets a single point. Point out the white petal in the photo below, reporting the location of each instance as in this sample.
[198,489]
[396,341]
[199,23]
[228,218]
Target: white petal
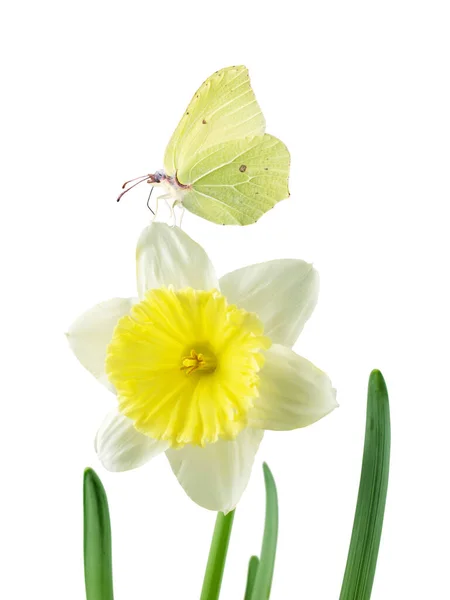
[283,293]
[168,256]
[293,392]
[120,447]
[90,334]
[216,476]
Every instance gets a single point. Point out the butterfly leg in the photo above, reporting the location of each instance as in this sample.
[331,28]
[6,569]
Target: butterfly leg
[155,212]
[182,209]
[172,212]
[158,198]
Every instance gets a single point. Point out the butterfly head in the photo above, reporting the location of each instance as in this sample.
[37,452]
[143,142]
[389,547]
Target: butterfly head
[158,177]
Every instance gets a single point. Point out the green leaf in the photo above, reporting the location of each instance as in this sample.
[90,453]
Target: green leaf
[368,523]
[264,574]
[217,556]
[97,539]
[251,576]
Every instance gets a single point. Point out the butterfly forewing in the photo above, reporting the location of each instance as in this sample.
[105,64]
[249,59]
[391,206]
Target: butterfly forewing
[224,108]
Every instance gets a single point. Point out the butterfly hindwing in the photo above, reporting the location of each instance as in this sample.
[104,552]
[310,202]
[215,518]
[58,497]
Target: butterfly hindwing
[223,108]
[236,182]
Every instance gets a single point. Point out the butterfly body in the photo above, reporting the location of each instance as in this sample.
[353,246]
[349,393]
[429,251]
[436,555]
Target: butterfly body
[220,164]
[172,187]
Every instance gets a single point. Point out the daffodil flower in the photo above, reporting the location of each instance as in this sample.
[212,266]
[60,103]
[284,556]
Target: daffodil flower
[201,366]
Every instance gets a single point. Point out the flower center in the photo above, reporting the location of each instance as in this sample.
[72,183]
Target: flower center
[185,365]
[198,361]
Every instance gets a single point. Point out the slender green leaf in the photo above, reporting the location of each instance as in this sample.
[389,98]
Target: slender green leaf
[97,539]
[368,523]
[217,556]
[251,576]
[264,574]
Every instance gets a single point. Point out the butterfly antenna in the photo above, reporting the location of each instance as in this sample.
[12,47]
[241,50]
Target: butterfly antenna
[141,180]
[148,202]
[135,179]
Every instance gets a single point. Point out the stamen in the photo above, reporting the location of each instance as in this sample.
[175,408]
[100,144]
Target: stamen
[195,362]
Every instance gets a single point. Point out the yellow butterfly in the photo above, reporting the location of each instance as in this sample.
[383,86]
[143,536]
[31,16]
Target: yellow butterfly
[219,163]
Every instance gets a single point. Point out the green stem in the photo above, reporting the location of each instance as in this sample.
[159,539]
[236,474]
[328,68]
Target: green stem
[251,576]
[368,523]
[97,540]
[217,556]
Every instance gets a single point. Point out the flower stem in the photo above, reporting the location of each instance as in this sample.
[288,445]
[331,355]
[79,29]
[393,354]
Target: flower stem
[97,540]
[217,556]
[368,522]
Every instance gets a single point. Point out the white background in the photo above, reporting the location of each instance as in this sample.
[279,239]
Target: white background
[359,92]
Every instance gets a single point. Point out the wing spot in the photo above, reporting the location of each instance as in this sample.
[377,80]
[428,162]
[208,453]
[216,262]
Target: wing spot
[204,121]
[243,168]
[266,168]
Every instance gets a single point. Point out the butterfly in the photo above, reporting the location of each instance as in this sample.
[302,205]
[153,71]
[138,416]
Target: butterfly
[220,164]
